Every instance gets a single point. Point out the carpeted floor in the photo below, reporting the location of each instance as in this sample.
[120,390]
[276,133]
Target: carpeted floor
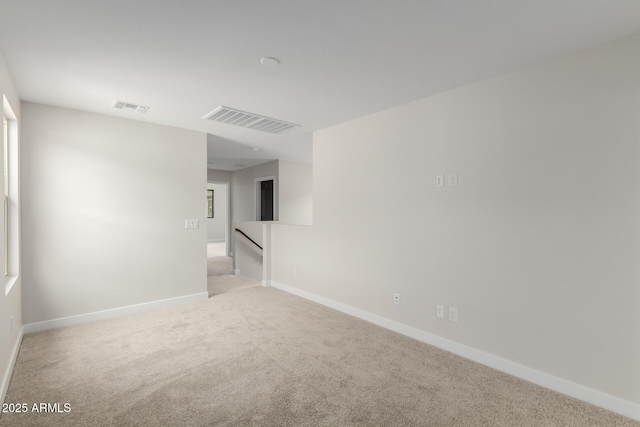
[259,356]
[219,271]
[216,249]
[219,266]
[221,280]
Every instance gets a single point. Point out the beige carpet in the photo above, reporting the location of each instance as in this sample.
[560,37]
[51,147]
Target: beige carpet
[219,266]
[259,356]
[220,279]
[215,249]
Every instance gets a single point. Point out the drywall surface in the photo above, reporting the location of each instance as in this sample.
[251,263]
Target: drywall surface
[220,176]
[243,194]
[104,208]
[243,190]
[538,244]
[296,193]
[216,226]
[11,302]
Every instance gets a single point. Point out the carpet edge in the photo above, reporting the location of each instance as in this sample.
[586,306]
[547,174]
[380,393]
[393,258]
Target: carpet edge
[603,400]
[112,313]
[6,378]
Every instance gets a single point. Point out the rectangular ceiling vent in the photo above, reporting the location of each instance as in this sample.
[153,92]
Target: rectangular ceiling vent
[121,105]
[231,116]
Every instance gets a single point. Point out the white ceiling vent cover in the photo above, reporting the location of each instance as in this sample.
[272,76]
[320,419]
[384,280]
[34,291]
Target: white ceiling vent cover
[128,106]
[243,119]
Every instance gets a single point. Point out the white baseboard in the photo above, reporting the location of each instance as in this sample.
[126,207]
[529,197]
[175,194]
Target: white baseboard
[4,386]
[216,240]
[236,272]
[595,397]
[114,312]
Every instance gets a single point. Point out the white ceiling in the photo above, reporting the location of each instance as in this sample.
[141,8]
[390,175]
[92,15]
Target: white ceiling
[340,59]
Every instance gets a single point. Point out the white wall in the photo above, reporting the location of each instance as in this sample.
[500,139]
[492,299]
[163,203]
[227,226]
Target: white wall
[243,194]
[217,175]
[216,226]
[10,303]
[537,247]
[244,187]
[104,205]
[296,193]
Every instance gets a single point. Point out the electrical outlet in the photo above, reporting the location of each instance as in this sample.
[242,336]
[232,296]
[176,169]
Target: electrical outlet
[452,180]
[440,311]
[396,299]
[453,314]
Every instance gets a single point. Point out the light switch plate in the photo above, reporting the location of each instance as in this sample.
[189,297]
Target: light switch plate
[191,223]
[439,180]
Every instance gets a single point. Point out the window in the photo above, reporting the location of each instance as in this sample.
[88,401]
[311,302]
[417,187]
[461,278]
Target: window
[5,157]
[11,233]
[209,203]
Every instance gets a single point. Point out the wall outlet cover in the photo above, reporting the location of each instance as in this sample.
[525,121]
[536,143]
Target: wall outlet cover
[453,314]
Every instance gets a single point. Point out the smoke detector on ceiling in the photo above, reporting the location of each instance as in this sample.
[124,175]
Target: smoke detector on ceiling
[121,105]
[269,61]
[232,116]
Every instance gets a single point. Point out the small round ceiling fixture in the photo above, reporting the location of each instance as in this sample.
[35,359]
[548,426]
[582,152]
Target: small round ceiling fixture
[269,61]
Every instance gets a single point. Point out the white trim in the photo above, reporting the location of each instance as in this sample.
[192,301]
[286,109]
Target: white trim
[595,397]
[10,281]
[4,386]
[216,240]
[114,312]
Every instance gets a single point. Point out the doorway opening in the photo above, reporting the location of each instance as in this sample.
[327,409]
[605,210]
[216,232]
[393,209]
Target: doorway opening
[266,198]
[218,214]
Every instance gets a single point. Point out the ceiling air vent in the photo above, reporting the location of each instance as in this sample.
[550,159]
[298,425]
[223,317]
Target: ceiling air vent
[128,106]
[243,119]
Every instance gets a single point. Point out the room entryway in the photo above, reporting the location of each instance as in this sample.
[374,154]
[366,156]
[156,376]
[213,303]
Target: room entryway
[220,277]
[265,199]
[218,263]
[218,213]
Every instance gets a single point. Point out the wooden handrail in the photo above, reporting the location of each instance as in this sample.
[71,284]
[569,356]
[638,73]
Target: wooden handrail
[250,239]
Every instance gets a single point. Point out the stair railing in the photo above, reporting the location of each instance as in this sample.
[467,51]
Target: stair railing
[250,239]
